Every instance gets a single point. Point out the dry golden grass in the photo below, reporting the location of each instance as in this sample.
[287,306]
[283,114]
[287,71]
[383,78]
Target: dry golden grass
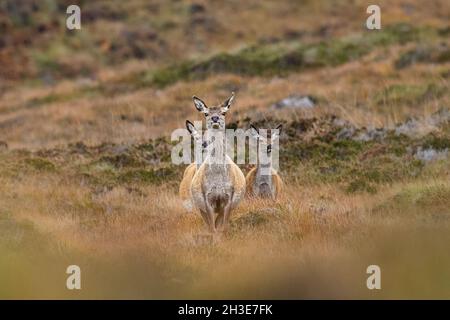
[150,113]
[315,242]
[135,240]
[75,109]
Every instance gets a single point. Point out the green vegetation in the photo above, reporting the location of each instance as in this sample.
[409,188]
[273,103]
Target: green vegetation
[424,54]
[40,164]
[280,59]
[436,142]
[356,166]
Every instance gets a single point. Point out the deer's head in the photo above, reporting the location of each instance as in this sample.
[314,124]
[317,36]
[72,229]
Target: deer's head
[198,138]
[264,139]
[214,115]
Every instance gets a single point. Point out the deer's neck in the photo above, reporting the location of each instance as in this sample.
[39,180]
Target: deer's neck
[264,174]
[217,157]
[264,166]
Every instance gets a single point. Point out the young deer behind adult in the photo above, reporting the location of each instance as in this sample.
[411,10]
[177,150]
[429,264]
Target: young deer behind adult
[185,185]
[218,184]
[263,181]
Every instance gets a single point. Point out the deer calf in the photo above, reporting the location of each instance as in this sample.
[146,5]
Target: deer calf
[263,181]
[185,185]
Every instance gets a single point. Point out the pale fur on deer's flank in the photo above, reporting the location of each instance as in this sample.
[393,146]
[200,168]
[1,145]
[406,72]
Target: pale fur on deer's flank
[185,186]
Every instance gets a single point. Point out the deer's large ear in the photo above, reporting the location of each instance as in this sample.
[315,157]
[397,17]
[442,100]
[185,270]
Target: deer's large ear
[254,131]
[277,134]
[200,105]
[227,103]
[190,127]
[193,131]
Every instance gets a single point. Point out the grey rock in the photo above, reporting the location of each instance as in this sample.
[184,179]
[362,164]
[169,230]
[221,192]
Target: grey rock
[440,117]
[346,133]
[413,127]
[430,154]
[296,102]
[338,122]
[410,128]
[371,134]
[120,149]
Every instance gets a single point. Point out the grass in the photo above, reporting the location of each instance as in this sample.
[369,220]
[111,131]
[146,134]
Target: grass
[345,203]
[437,142]
[408,94]
[87,178]
[424,54]
[279,59]
[40,164]
[149,237]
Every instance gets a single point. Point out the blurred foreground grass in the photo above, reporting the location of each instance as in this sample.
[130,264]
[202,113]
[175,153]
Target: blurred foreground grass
[86,176]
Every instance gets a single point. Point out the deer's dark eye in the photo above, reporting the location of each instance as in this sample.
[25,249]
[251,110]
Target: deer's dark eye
[204,144]
[269,148]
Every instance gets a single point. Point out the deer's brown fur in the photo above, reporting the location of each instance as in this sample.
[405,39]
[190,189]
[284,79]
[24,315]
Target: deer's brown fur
[251,179]
[185,186]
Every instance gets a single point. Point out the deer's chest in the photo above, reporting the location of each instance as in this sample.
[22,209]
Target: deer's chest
[218,180]
[263,185]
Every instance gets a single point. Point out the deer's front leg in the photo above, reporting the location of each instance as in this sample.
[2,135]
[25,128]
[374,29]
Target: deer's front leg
[219,220]
[209,217]
[226,217]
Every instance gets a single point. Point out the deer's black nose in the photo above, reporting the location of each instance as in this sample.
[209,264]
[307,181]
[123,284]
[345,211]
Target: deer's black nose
[215,118]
